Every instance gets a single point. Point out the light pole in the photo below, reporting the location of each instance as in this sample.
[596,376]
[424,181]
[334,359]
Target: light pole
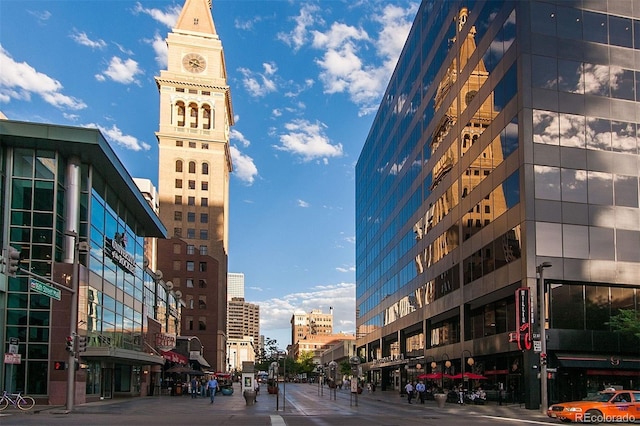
[542,307]
[445,366]
[469,361]
[72,238]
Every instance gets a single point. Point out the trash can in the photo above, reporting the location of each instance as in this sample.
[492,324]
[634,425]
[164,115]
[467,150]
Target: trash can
[441,399]
[178,389]
[249,397]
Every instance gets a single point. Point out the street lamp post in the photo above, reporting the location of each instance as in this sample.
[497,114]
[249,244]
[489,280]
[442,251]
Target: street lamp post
[542,308]
[469,361]
[72,238]
[445,366]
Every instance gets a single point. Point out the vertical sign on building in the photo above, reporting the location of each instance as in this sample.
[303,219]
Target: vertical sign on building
[523,319]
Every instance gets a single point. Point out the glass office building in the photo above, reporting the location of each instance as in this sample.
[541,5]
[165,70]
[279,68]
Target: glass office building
[504,155]
[78,219]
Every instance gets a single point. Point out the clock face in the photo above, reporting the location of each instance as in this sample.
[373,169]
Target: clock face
[469,96]
[193,62]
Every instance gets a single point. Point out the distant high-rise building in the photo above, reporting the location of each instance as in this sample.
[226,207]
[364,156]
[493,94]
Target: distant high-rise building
[235,285]
[243,319]
[195,165]
[313,323]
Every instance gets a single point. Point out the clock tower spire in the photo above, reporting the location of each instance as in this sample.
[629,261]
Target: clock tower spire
[193,182]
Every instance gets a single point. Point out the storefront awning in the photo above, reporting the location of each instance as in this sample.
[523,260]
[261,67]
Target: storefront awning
[175,357]
[123,356]
[199,359]
[612,362]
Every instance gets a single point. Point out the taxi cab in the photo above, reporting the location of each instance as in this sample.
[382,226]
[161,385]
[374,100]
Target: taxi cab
[607,406]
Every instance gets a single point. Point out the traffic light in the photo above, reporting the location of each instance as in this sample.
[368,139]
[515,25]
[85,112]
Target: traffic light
[59,365]
[70,344]
[11,261]
[82,343]
[543,358]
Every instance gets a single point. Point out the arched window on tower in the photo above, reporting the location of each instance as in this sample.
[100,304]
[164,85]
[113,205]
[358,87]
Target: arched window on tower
[179,166]
[192,166]
[205,168]
[181,111]
[193,115]
[206,117]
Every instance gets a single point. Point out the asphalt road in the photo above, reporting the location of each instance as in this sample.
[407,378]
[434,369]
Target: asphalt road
[296,405]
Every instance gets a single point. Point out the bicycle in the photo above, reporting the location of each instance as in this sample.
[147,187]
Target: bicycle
[23,402]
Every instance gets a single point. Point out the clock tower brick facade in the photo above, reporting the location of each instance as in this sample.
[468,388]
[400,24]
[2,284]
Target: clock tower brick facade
[194,169]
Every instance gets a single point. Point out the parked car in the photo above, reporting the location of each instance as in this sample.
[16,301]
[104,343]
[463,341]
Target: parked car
[607,406]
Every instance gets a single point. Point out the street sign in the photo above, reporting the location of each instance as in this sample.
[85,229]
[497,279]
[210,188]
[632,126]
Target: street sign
[537,346]
[45,289]
[12,358]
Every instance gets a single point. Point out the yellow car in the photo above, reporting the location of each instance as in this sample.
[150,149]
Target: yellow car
[607,406]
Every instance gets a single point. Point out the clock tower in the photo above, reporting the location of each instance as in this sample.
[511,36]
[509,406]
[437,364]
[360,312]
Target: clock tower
[193,182]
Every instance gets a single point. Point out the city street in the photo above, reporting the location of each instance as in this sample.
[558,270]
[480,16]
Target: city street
[304,404]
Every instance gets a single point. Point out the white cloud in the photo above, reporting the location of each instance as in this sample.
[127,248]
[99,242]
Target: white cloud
[40,16]
[297,37]
[20,81]
[308,140]
[303,204]
[167,17]
[259,84]
[237,136]
[121,71]
[83,39]
[243,166]
[346,269]
[114,134]
[159,46]
[343,69]
[275,314]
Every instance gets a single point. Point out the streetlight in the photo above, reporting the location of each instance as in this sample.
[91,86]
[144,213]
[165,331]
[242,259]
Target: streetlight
[72,238]
[446,366]
[470,361]
[542,307]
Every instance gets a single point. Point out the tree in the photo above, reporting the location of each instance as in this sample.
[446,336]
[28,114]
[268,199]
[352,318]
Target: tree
[626,321]
[267,354]
[345,368]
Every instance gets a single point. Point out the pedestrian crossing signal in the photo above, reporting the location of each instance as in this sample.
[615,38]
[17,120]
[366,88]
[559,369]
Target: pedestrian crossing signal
[59,365]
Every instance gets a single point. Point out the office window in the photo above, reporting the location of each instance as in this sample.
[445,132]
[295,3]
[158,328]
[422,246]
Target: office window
[191,266]
[192,166]
[191,201]
[205,146]
[202,302]
[202,323]
[204,234]
[191,249]
[192,184]
[204,250]
[203,266]
[179,166]
[204,202]
[177,215]
[205,168]
[178,143]
[189,282]
[204,218]
[191,233]
[202,284]
[191,216]
[178,199]
[204,185]
[192,144]
[177,232]
[178,183]
[189,323]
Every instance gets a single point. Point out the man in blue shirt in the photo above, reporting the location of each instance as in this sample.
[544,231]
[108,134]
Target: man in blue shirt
[212,385]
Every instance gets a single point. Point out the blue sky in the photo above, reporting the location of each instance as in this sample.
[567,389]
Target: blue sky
[306,80]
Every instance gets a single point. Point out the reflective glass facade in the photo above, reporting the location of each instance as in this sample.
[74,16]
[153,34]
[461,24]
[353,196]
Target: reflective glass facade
[54,189]
[507,137]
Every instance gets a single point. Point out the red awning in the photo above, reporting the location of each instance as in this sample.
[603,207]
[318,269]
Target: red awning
[175,357]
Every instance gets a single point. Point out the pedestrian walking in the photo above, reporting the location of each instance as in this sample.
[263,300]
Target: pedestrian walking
[194,388]
[213,386]
[409,389]
[420,388]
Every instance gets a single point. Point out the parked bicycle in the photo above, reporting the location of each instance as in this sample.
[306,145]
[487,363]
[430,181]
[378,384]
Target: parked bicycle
[23,402]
